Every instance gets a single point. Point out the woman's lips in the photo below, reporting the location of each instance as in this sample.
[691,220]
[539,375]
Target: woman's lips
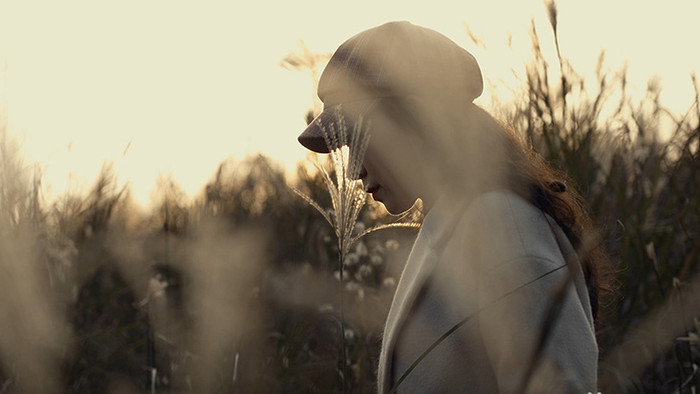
[373,191]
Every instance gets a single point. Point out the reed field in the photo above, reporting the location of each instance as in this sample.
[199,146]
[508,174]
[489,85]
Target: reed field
[240,288]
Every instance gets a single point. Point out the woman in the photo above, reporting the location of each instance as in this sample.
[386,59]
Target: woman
[494,296]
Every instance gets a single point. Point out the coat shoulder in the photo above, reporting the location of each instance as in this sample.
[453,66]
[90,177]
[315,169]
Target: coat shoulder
[508,227]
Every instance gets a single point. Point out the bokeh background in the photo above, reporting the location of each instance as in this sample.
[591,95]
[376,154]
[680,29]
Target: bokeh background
[150,240]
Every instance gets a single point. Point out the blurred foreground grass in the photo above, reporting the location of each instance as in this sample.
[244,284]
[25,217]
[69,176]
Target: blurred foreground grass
[236,291]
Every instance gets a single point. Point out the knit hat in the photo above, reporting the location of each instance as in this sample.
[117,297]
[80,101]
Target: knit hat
[396,59]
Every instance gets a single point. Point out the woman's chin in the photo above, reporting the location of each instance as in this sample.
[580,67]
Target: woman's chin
[395,208]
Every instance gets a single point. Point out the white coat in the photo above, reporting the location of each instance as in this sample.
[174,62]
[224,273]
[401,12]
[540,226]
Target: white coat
[495,263]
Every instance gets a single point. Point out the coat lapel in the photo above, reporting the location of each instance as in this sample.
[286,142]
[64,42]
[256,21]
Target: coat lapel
[419,266]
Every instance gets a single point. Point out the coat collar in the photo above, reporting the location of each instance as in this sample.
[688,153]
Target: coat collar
[424,255]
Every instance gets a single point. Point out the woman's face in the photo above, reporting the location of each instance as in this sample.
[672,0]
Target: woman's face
[380,175]
[392,167]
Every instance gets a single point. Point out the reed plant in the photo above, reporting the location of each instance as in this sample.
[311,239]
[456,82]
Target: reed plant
[347,147]
[640,182]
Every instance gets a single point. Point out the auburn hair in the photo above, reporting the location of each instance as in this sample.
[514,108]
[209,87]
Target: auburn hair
[522,171]
[553,192]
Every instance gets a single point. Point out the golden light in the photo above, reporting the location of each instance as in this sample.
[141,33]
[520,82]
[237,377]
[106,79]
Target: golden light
[177,88]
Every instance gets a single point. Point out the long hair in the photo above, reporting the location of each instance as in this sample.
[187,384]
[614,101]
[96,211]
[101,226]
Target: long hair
[470,145]
[555,193]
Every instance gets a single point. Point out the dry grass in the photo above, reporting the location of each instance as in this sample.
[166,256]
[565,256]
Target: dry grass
[236,289]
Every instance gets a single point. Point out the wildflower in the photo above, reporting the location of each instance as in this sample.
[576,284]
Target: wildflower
[352,286]
[365,271]
[361,249]
[376,259]
[391,244]
[352,259]
[349,334]
[379,249]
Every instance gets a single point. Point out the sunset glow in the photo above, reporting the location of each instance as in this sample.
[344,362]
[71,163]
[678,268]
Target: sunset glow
[176,89]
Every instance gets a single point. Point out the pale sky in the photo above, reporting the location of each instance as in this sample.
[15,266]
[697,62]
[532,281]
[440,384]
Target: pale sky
[185,85]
